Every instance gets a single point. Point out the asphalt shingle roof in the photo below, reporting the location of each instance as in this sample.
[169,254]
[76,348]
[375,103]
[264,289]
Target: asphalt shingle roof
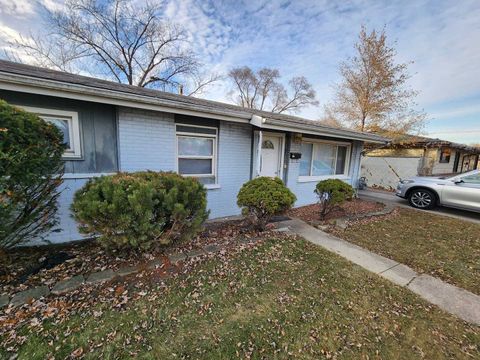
[8,67]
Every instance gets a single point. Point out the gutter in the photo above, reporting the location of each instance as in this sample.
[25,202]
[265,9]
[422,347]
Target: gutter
[285,125]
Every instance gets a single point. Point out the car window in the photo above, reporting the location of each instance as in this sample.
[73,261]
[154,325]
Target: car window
[472,179]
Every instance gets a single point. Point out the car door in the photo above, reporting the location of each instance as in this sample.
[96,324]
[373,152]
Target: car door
[464,192]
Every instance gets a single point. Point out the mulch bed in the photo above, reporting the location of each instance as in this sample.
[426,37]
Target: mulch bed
[350,209]
[26,268]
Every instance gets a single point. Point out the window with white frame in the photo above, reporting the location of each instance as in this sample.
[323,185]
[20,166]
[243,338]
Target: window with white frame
[197,152]
[67,123]
[327,159]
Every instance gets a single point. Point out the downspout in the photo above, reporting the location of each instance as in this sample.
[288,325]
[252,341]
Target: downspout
[258,121]
[259,153]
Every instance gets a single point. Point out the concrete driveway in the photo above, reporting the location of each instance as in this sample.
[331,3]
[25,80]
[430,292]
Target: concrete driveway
[388,197]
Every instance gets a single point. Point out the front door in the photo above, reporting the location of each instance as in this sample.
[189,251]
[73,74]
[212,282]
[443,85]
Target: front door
[271,156]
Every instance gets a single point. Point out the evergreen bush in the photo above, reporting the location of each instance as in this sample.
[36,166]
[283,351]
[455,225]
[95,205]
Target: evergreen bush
[137,210]
[331,193]
[31,170]
[264,197]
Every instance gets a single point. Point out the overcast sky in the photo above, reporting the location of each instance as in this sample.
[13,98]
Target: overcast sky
[310,38]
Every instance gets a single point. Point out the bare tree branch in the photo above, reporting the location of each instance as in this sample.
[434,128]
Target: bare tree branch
[125,41]
[258,90]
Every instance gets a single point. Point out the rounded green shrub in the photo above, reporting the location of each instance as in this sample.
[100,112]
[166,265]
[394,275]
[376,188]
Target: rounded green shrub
[264,197]
[332,192]
[137,210]
[31,170]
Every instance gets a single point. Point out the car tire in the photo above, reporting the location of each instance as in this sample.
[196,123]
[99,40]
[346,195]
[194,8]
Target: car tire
[423,199]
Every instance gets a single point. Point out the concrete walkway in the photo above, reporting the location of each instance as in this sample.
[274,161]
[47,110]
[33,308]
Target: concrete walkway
[390,198]
[452,299]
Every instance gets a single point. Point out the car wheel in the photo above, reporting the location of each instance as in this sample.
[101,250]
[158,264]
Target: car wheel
[422,199]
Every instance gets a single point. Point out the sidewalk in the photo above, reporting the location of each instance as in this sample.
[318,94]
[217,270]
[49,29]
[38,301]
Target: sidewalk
[452,299]
[390,198]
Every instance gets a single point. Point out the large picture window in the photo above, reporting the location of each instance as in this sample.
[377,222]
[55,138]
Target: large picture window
[196,152]
[324,159]
[67,123]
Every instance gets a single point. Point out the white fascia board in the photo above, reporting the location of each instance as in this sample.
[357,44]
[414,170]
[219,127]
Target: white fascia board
[260,122]
[30,85]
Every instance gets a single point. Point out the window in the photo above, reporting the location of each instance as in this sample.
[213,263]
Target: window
[196,152]
[472,179]
[268,144]
[67,123]
[445,156]
[324,159]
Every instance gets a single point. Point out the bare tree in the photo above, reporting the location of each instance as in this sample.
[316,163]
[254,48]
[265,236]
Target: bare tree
[127,43]
[373,95]
[262,90]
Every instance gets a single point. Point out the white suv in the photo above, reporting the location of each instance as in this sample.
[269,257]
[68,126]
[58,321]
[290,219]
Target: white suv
[459,191]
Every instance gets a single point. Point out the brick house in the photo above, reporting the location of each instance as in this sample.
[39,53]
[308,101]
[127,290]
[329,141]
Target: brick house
[110,127]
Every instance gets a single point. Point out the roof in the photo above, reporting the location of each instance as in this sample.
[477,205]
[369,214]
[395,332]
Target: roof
[415,141]
[32,79]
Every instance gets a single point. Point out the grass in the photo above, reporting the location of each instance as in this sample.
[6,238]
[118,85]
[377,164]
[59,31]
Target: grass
[441,246]
[284,299]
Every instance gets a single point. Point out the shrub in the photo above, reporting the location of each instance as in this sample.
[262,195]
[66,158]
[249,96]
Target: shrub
[264,197]
[331,193]
[137,210]
[31,170]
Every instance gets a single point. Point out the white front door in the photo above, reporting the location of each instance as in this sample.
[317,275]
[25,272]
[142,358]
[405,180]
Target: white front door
[271,156]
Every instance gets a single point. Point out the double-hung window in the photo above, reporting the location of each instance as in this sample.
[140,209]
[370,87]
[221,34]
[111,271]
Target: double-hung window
[67,123]
[324,159]
[197,152]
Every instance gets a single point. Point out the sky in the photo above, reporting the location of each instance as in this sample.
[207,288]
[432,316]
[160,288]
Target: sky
[311,38]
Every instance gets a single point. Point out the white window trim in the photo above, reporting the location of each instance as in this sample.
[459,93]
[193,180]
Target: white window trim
[75,152]
[214,155]
[346,171]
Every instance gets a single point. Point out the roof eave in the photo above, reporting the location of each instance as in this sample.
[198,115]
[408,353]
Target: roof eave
[34,85]
[275,124]
[47,87]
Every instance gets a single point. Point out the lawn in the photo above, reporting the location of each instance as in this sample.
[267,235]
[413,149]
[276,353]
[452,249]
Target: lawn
[281,299]
[441,246]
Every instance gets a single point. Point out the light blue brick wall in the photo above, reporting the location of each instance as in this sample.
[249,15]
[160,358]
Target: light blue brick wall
[146,140]
[234,156]
[68,226]
[304,190]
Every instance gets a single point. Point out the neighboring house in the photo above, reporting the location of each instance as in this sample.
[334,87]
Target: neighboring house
[411,156]
[112,127]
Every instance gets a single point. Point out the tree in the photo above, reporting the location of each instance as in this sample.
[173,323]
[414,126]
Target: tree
[262,90]
[373,93]
[127,42]
[31,170]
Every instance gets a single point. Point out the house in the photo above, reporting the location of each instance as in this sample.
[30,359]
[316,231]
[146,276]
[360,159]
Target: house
[383,166]
[110,127]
